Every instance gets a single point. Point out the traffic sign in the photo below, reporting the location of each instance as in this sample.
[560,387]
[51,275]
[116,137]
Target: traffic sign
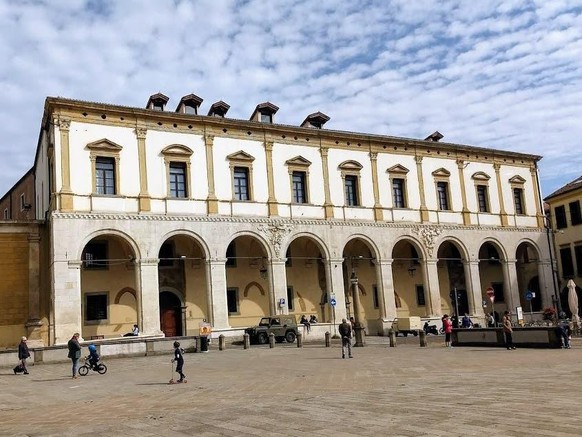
[332,302]
[529,295]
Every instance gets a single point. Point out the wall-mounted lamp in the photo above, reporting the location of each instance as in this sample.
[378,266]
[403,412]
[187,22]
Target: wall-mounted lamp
[263,270]
[411,271]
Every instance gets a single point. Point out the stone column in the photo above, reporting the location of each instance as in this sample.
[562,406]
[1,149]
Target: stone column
[65,195]
[423,209]
[327,205]
[33,324]
[385,280]
[335,285]
[271,201]
[474,292]
[149,297]
[465,211]
[212,201]
[66,300]
[217,280]
[534,178]
[431,284]
[504,219]
[378,214]
[546,282]
[510,283]
[144,197]
[278,284]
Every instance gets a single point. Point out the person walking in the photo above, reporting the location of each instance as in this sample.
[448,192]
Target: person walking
[345,330]
[74,352]
[179,360]
[508,330]
[23,354]
[448,327]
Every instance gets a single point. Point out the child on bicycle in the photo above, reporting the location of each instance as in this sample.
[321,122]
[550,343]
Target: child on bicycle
[179,360]
[93,356]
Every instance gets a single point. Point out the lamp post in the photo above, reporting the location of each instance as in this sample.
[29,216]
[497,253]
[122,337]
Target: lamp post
[358,329]
[556,302]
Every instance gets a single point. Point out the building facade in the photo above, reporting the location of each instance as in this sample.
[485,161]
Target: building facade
[168,219]
[565,233]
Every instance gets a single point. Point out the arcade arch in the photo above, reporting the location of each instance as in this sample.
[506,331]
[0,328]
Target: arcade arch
[408,273]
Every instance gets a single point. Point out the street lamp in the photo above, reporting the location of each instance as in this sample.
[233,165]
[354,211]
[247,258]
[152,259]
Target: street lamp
[358,328]
[556,297]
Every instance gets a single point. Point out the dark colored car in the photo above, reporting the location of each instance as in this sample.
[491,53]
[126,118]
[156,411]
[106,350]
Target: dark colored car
[283,327]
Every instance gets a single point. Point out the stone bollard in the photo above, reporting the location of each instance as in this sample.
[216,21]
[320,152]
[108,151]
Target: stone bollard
[198,344]
[271,340]
[221,342]
[422,336]
[327,339]
[299,339]
[247,341]
[392,337]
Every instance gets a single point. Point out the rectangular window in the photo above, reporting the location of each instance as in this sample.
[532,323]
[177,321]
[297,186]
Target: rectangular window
[95,255]
[398,193]
[188,109]
[266,118]
[375,296]
[105,175]
[299,192]
[518,201]
[498,290]
[241,183]
[482,198]
[578,255]
[351,186]
[290,297]
[560,212]
[443,195]
[178,179]
[420,299]
[575,216]
[232,300]
[95,307]
[567,263]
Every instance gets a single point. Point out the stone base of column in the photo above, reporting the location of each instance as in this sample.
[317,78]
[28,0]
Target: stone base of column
[33,333]
[359,331]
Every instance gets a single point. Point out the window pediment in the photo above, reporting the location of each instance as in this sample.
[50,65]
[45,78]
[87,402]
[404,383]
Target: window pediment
[400,169]
[441,172]
[350,166]
[298,161]
[177,150]
[241,156]
[480,176]
[517,179]
[104,145]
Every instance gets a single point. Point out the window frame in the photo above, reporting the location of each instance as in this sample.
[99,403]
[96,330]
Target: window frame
[241,160]
[578,258]
[352,170]
[482,192]
[178,154]
[290,298]
[98,320]
[442,176]
[517,184]
[419,291]
[89,264]
[105,149]
[575,213]
[299,165]
[235,292]
[398,172]
[561,217]
[178,189]
[566,260]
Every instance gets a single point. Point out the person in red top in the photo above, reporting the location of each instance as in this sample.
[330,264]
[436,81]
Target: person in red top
[448,327]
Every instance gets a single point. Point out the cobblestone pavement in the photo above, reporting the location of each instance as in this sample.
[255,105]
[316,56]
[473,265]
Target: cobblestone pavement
[402,391]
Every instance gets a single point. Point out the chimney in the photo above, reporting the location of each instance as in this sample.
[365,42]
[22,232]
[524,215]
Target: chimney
[264,112]
[436,136]
[315,120]
[218,109]
[157,102]
[189,104]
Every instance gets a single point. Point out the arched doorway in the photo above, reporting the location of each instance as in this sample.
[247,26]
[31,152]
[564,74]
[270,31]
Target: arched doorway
[170,314]
[527,265]
[491,275]
[409,293]
[452,281]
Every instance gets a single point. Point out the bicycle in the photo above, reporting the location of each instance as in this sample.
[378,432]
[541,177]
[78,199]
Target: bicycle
[100,367]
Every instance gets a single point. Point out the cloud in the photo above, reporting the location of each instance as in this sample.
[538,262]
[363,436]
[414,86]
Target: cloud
[494,73]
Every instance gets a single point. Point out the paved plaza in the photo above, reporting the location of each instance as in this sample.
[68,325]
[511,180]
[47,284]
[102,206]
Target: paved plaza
[402,391]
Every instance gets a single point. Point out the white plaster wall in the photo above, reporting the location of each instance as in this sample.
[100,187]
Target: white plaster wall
[387,160]
[284,152]
[337,192]
[470,186]
[507,172]
[223,179]
[429,165]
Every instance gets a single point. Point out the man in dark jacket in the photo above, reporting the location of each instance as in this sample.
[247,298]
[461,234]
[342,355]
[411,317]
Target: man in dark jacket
[345,330]
[74,352]
[23,354]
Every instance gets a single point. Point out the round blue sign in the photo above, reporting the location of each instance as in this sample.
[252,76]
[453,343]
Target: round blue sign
[528,295]
[332,302]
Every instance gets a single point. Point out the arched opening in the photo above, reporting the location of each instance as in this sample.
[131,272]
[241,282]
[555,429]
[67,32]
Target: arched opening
[527,265]
[359,271]
[491,274]
[452,281]
[247,281]
[108,284]
[306,280]
[171,314]
[408,276]
[182,268]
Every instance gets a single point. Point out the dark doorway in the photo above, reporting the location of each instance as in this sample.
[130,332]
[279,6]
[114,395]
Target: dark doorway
[170,314]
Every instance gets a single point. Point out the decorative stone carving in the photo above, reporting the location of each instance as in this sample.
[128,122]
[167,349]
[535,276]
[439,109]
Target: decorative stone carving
[64,124]
[141,133]
[428,234]
[276,233]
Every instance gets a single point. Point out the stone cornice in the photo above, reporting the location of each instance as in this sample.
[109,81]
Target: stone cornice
[411,227]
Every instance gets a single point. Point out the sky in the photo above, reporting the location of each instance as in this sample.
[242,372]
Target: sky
[503,74]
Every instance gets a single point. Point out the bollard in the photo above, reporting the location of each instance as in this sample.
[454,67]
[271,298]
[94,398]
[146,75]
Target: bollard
[392,336]
[299,339]
[422,336]
[198,344]
[271,340]
[246,341]
[327,339]
[221,342]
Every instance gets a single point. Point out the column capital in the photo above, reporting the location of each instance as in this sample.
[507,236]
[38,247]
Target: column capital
[141,133]
[418,159]
[217,261]
[384,262]
[431,261]
[75,264]
[460,164]
[148,262]
[373,156]
[268,146]
[209,139]
[64,124]
[324,151]
[497,166]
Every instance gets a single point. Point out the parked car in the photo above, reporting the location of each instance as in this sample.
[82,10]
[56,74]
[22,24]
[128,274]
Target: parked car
[283,327]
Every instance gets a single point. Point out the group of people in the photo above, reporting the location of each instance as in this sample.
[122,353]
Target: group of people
[308,323]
